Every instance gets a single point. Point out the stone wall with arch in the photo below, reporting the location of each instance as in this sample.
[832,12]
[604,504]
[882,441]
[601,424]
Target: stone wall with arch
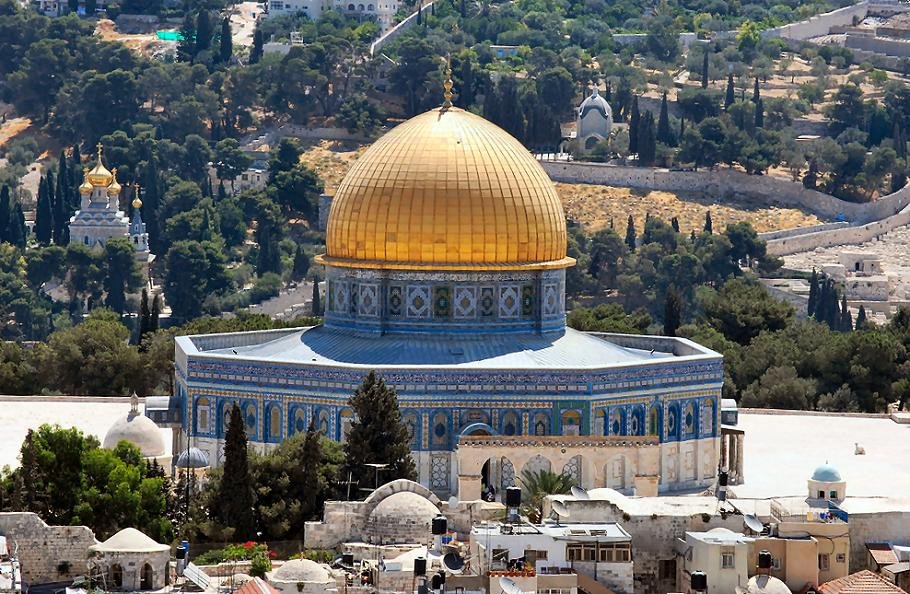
[582,456]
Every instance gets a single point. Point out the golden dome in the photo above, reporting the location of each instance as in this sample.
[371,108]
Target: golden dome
[86,186]
[137,203]
[99,175]
[114,188]
[447,190]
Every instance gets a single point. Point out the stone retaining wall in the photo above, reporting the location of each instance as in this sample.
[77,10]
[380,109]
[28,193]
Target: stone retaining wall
[843,236]
[46,550]
[726,182]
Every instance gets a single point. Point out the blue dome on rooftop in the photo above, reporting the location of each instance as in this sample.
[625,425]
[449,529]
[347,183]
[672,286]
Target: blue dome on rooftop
[826,474]
[193,458]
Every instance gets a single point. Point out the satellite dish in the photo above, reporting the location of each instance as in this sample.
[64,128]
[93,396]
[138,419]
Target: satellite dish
[579,493]
[509,586]
[753,524]
[453,562]
[561,510]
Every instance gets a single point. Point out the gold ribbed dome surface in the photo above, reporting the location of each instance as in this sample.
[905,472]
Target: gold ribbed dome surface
[447,190]
[100,175]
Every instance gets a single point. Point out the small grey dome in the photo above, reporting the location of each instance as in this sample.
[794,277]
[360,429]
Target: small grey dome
[403,517]
[596,102]
[302,570]
[193,458]
[137,429]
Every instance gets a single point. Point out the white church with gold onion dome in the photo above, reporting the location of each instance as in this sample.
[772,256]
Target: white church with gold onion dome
[99,217]
[445,271]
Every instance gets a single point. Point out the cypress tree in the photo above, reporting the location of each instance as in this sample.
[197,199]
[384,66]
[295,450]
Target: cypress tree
[204,31]
[682,127]
[301,263]
[634,122]
[186,47]
[145,315]
[316,306]
[663,123]
[61,202]
[222,193]
[730,96]
[226,48]
[234,500]
[377,435]
[647,140]
[491,102]
[674,222]
[760,113]
[755,93]
[821,304]
[704,69]
[630,234]
[43,216]
[692,236]
[709,226]
[312,458]
[861,318]
[18,232]
[156,313]
[419,14]
[463,8]
[672,312]
[256,49]
[150,202]
[846,318]
[812,305]
[6,210]
[75,180]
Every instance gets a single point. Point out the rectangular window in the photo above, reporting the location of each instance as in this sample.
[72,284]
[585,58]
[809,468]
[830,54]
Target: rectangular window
[727,560]
[667,569]
[824,562]
[841,558]
[833,495]
[775,563]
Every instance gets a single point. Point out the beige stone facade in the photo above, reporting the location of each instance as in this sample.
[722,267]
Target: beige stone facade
[47,553]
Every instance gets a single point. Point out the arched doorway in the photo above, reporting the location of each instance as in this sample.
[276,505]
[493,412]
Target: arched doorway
[117,576]
[496,475]
[146,578]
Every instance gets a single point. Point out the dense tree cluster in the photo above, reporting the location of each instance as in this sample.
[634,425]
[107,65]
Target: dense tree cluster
[68,479]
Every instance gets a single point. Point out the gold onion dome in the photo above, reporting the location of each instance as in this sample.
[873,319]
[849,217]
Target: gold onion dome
[114,188]
[86,186]
[447,190]
[99,175]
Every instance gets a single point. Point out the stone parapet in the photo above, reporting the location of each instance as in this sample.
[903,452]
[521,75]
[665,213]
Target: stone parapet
[46,553]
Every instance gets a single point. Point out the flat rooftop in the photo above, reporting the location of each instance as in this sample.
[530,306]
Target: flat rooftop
[91,415]
[600,532]
[783,449]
